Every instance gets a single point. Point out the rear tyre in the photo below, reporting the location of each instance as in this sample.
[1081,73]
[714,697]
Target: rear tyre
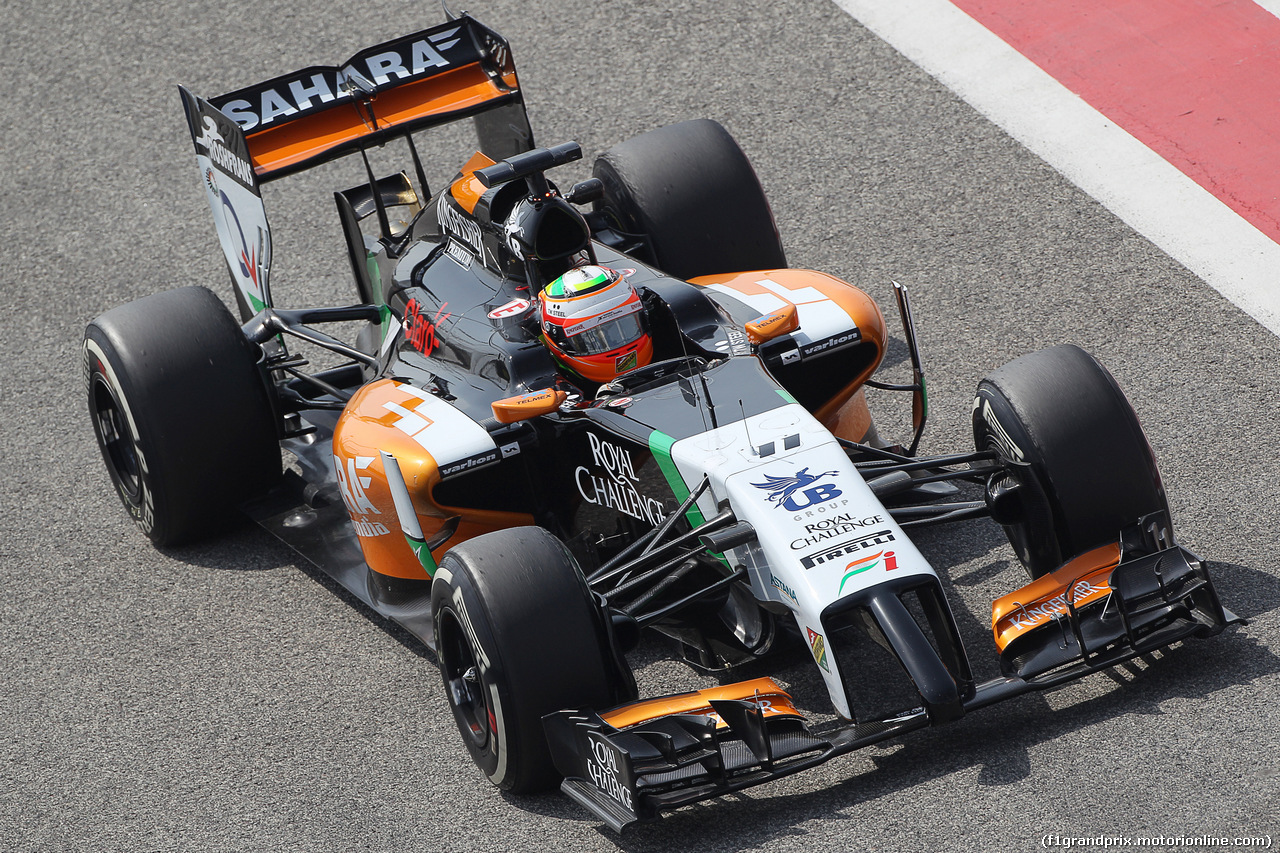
[518,636]
[690,190]
[1079,466]
[180,411]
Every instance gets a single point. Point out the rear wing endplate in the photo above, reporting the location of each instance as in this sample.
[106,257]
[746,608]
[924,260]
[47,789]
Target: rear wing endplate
[231,187]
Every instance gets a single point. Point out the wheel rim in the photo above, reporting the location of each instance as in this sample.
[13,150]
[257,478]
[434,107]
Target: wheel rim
[465,685]
[116,440]
[1031,532]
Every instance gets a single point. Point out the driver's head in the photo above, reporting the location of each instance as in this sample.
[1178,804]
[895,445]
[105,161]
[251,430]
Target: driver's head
[594,323]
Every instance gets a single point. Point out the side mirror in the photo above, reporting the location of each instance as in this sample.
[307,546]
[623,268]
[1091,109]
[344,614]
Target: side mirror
[770,326]
[514,409]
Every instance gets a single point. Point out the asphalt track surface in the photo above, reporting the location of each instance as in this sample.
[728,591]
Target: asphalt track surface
[222,697]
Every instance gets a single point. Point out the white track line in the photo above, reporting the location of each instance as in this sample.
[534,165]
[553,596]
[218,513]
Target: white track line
[1132,181]
[1272,6]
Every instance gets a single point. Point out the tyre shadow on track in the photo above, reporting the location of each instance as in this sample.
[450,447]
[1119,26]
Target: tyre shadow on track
[249,548]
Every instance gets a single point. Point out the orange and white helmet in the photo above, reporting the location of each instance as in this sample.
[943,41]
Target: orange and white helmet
[594,323]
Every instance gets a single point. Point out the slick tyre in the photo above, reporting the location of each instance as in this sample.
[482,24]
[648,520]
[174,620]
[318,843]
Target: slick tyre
[180,411]
[691,193]
[1079,468]
[518,636]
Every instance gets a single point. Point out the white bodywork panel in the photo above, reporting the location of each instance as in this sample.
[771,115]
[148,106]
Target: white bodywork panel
[822,534]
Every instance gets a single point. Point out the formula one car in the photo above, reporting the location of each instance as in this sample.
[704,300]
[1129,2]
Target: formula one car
[527,483]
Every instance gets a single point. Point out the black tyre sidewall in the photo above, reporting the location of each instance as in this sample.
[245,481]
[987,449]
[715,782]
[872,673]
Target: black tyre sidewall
[692,191]
[1088,470]
[534,634]
[199,418]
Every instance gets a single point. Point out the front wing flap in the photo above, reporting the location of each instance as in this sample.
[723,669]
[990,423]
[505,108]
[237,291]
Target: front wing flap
[1098,619]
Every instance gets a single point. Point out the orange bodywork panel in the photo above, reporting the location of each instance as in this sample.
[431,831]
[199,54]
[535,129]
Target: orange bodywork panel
[773,699]
[369,425]
[851,420]
[1085,580]
[467,189]
[307,138]
[815,293]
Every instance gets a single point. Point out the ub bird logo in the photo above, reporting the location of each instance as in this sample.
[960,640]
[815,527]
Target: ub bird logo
[782,490]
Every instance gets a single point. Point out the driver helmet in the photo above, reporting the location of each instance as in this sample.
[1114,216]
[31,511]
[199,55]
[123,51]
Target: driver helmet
[594,323]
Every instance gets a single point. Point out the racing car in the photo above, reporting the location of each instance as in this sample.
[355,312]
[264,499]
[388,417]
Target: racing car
[571,419]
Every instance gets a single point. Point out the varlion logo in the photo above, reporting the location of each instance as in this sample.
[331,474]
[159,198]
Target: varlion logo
[469,463]
[833,343]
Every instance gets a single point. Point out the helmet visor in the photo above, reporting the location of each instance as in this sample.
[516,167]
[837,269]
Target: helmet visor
[605,337]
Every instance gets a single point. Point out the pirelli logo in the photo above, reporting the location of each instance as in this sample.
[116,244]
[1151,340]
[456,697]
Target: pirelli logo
[850,546]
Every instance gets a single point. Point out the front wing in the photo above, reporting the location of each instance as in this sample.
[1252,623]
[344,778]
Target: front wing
[634,762]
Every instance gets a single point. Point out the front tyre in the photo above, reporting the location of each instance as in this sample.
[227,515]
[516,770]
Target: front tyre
[1078,466]
[518,636]
[180,411]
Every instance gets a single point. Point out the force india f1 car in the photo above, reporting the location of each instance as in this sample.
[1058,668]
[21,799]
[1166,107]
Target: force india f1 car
[528,524]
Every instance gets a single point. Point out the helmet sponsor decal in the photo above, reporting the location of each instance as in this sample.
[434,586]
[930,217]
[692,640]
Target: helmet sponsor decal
[601,319]
[624,363]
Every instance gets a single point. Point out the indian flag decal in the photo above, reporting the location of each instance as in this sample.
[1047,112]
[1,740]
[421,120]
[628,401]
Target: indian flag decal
[866,564]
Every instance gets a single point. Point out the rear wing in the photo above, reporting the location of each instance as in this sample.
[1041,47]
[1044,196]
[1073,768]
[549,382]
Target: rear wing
[455,70]
[459,69]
